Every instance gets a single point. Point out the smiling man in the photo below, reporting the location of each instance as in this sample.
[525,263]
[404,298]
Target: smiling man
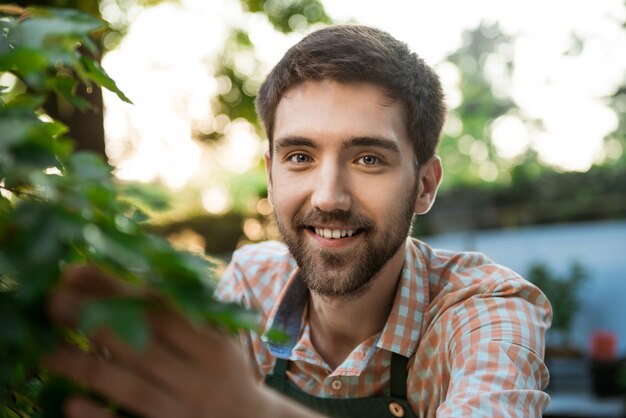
[378,324]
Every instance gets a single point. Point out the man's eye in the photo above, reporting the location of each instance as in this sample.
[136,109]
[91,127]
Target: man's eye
[369,160]
[299,158]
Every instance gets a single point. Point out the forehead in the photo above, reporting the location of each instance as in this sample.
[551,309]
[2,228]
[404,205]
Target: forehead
[332,110]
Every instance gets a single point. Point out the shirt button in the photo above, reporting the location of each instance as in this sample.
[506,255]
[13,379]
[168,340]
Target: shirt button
[336,384]
[396,409]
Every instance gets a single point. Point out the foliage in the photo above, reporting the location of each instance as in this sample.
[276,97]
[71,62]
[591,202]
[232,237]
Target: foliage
[530,199]
[59,208]
[467,151]
[236,100]
[287,16]
[563,292]
[621,377]
[616,142]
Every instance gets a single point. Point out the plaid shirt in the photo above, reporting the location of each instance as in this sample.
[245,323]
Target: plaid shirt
[474,332]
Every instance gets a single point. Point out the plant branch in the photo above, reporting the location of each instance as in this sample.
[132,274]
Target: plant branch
[20,193]
[13,9]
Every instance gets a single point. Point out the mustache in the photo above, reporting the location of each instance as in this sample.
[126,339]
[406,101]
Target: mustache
[348,220]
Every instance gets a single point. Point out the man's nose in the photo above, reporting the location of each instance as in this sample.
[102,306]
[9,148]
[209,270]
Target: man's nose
[330,191]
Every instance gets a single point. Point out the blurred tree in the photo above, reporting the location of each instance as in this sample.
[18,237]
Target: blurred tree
[239,74]
[484,62]
[239,70]
[289,15]
[615,143]
[86,124]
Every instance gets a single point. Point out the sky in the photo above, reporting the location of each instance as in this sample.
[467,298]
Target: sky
[163,65]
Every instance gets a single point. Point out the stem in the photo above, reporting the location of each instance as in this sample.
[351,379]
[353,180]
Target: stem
[20,193]
[15,411]
[12,9]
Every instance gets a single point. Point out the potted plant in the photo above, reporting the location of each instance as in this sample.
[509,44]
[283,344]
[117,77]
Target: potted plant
[568,368]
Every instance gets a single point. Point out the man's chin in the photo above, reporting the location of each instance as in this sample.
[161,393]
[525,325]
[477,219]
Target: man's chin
[341,289]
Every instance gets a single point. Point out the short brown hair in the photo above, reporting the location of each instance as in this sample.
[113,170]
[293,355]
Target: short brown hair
[353,54]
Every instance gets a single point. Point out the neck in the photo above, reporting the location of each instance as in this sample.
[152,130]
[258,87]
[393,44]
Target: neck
[340,324]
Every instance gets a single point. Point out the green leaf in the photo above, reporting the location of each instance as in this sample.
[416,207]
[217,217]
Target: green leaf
[65,86]
[276,335]
[137,215]
[46,26]
[231,316]
[93,71]
[123,315]
[151,197]
[30,102]
[89,167]
[23,61]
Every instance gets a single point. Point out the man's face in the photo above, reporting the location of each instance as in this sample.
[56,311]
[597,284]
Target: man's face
[343,182]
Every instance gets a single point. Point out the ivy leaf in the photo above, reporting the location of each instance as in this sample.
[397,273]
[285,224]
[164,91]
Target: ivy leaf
[89,167]
[27,102]
[93,71]
[65,86]
[150,197]
[45,26]
[231,316]
[23,61]
[276,335]
[125,316]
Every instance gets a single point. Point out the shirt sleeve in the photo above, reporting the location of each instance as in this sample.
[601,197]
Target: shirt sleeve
[495,348]
[229,287]
[252,280]
[233,288]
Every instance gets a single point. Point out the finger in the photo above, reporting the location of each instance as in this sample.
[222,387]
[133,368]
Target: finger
[155,363]
[80,284]
[63,307]
[80,407]
[173,347]
[203,345]
[113,382]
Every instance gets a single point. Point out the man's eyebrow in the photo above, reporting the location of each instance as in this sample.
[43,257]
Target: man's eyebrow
[372,141]
[293,141]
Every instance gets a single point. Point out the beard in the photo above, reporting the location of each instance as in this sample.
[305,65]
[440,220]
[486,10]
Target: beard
[346,273]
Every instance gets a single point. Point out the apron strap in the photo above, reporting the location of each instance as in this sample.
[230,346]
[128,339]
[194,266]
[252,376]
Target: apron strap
[280,368]
[398,375]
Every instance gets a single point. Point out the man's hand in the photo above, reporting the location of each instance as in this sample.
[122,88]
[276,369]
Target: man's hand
[185,371]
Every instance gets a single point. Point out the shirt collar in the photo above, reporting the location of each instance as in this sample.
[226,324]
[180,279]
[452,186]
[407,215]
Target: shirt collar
[401,332]
[286,316]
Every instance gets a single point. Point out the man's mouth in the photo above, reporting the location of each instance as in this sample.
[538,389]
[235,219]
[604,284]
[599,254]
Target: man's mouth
[332,233]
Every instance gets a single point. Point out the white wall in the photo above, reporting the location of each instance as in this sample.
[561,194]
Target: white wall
[599,246]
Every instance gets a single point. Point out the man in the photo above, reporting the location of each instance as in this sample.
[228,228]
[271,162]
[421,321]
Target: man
[377,324]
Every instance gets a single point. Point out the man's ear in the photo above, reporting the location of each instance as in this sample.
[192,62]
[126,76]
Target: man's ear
[429,178]
[268,173]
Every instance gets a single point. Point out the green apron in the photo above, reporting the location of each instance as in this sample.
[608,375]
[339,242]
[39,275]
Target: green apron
[392,406]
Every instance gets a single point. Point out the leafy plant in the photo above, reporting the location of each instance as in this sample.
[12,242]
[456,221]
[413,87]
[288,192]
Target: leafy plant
[60,207]
[562,292]
[621,377]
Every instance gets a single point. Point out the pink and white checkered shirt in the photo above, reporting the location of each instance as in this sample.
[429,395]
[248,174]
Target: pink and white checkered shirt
[473,330]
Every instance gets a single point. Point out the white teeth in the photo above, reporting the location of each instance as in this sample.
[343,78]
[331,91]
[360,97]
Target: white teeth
[334,233]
